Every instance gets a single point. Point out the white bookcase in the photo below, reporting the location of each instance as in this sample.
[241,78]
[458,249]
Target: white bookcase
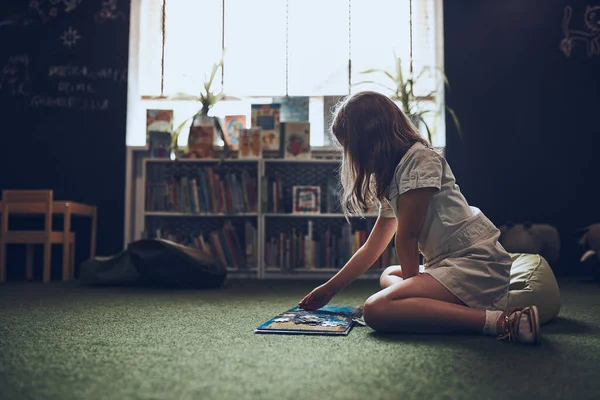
[269,224]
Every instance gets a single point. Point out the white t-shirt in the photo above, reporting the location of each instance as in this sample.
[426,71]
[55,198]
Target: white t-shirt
[448,211]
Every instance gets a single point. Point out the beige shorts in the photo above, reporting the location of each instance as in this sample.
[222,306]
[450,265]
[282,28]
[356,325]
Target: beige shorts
[478,273]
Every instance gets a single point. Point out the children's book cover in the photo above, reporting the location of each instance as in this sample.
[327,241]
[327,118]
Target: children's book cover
[327,320]
[200,141]
[159,125]
[267,117]
[293,108]
[159,121]
[233,123]
[306,200]
[295,140]
[250,145]
[329,105]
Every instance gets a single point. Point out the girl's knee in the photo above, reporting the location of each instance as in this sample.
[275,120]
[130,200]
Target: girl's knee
[390,275]
[378,316]
[374,311]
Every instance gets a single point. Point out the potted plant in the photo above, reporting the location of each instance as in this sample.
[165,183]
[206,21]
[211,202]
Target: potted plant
[207,99]
[401,90]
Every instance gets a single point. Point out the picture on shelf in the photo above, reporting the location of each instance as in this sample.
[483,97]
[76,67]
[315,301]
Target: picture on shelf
[295,140]
[233,123]
[159,125]
[306,200]
[293,108]
[267,117]
[200,142]
[250,143]
[329,105]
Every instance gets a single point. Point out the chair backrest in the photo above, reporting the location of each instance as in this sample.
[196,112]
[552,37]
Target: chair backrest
[26,196]
[27,202]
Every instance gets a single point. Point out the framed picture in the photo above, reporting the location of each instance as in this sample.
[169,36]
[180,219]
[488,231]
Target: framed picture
[233,123]
[249,144]
[200,141]
[306,200]
[266,116]
[295,140]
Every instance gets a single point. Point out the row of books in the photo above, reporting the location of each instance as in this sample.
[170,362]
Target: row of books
[235,250]
[207,192]
[279,196]
[294,250]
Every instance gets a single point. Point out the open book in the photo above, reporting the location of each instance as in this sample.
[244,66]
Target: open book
[327,320]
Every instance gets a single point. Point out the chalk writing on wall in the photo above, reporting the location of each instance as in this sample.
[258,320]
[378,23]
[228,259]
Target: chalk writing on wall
[589,36]
[79,87]
[14,77]
[67,86]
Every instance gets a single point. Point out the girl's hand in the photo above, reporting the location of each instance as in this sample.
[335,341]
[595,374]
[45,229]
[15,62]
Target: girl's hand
[320,296]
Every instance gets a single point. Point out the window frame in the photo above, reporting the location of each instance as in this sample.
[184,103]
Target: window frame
[138,103]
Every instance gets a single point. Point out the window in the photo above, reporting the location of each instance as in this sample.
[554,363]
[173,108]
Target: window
[311,48]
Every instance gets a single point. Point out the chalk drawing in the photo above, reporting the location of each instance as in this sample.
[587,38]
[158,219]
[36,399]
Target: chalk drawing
[70,37]
[70,5]
[590,36]
[109,12]
[37,7]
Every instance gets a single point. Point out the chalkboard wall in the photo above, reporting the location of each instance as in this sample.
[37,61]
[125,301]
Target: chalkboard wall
[529,109]
[63,102]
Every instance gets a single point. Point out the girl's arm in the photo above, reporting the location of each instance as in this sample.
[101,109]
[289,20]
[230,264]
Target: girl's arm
[361,261]
[412,208]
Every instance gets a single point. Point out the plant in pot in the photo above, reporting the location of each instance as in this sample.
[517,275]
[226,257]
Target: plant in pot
[401,90]
[201,130]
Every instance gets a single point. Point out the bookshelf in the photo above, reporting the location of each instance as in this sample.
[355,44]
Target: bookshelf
[247,211]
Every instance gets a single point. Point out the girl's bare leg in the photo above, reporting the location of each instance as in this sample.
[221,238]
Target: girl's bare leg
[419,305]
[390,276]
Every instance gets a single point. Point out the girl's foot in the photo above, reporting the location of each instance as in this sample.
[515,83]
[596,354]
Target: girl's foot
[520,325]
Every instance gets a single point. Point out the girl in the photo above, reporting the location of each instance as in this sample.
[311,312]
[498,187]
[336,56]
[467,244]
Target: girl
[463,286]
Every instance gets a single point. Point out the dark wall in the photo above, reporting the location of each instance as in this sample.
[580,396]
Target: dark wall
[63,101]
[529,114]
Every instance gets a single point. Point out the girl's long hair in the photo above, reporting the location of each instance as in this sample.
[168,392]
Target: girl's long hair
[374,134]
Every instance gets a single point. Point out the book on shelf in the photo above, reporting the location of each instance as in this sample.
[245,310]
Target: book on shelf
[296,250]
[250,143]
[201,140]
[159,125]
[267,117]
[306,199]
[295,140]
[204,191]
[235,248]
[293,108]
[233,123]
[329,105]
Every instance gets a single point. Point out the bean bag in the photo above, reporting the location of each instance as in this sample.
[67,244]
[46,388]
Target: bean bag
[532,282]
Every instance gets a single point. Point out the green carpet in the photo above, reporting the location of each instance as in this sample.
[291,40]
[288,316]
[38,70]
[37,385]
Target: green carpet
[63,341]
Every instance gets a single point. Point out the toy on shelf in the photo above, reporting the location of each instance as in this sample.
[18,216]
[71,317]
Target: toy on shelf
[542,239]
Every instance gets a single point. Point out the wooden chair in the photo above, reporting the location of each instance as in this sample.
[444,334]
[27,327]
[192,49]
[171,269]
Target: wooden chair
[37,202]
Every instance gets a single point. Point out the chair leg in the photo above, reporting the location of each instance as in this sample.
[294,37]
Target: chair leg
[47,258]
[65,260]
[29,262]
[72,261]
[2,261]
